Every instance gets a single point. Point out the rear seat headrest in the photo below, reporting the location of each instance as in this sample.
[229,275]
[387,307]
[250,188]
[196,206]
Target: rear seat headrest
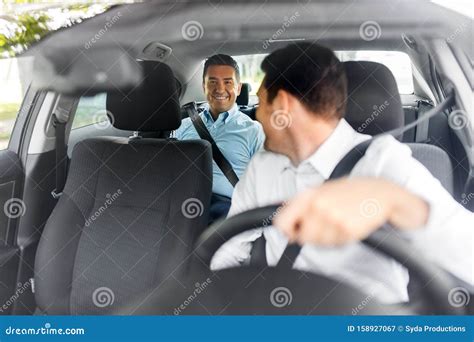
[373,105]
[243,98]
[152,106]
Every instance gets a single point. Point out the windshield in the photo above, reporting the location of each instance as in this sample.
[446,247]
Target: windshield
[464,7]
[22,24]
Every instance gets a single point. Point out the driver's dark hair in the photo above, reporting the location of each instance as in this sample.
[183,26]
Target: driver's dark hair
[310,72]
[221,59]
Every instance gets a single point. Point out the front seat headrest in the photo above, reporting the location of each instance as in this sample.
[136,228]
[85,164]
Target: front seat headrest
[152,106]
[243,98]
[373,105]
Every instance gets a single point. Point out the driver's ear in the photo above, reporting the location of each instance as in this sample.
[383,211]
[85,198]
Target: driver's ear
[281,101]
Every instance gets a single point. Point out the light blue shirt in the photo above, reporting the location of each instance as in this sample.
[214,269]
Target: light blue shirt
[237,136]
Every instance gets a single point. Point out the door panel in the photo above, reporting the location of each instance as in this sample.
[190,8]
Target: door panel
[12,208]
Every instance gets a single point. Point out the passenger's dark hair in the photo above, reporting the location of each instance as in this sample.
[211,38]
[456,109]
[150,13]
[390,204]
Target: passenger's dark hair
[221,59]
[310,72]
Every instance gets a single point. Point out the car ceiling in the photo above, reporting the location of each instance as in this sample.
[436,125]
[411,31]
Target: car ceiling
[241,27]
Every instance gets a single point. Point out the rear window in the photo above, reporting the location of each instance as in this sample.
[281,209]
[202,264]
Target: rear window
[398,62]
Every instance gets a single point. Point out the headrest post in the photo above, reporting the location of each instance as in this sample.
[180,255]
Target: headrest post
[135,135]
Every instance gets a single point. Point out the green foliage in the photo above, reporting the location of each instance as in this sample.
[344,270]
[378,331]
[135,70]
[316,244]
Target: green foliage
[18,31]
[23,30]
[8,114]
[8,111]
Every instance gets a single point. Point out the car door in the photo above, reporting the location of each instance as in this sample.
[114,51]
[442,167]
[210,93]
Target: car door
[16,102]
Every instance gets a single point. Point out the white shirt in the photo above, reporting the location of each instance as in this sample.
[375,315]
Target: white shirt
[270,178]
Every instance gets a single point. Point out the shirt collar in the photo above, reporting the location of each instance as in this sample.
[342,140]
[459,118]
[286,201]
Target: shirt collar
[222,116]
[328,155]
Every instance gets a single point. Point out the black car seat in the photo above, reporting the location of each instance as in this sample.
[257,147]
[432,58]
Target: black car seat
[243,98]
[131,208]
[243,101]
[374,106]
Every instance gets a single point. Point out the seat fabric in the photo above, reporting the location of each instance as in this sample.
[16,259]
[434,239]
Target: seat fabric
[129,215]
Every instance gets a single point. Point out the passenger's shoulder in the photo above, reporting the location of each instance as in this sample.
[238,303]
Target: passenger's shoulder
[185,124]
[245,120]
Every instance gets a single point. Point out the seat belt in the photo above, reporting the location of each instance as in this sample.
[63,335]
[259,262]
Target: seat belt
[289,256]
[343,168]
[421,132]
[223,164]
[258,252]
[346,164]
[59,120]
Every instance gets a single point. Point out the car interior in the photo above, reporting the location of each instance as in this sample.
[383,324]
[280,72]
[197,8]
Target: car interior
[123,156]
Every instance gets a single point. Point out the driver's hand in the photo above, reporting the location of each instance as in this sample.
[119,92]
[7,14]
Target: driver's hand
[348,210]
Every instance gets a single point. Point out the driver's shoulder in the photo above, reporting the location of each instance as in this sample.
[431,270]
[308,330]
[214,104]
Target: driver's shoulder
[386,150]
[387,144]
[264,159]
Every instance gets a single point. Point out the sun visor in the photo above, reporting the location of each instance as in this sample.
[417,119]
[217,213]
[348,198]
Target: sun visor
[86,71]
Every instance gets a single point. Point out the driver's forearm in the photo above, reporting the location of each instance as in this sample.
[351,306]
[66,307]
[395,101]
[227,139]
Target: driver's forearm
[407,210]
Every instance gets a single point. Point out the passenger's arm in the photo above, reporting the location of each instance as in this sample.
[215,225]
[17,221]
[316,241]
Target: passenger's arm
[259,138]
[236,251]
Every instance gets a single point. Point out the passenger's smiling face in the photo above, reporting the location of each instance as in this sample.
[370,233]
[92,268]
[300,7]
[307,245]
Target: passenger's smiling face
[221,88]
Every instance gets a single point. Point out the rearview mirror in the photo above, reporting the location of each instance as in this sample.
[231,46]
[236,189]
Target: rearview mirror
[88,71]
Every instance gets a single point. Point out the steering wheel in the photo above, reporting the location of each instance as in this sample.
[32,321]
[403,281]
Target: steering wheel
[437,283]
[196,290]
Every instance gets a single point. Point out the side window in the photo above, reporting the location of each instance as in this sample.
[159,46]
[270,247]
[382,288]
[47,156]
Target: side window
[15,77]
[90,111]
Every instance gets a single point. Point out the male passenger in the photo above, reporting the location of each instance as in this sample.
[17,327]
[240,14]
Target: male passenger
[301,108]
[237,136]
